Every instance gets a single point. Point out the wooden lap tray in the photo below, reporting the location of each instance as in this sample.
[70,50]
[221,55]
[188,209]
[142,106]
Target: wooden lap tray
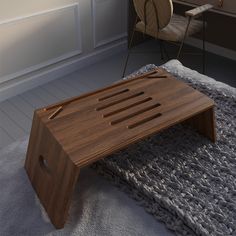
[77,132]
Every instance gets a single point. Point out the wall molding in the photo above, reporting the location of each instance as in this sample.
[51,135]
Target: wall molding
[212,48]
[23,17]
[17,86]
[54,60]
[39,66]
[109,40]
[101,43]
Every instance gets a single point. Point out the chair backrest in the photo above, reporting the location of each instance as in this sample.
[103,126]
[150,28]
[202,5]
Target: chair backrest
[156,14]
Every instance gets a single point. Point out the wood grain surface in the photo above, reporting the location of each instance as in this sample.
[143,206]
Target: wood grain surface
[77,132]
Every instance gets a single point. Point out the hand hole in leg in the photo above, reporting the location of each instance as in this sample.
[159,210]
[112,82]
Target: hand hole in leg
[44,164]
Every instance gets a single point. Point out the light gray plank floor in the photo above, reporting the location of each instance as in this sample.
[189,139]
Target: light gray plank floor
[5,138]
[22,105]
[13,130]
[16,113]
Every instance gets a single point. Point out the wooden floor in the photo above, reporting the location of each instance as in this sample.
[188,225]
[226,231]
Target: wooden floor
[16,113]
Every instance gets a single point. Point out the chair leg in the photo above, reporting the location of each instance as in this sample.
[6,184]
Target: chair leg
[129,48]
[161,49]
[166,52]
[185,35]
[126,63]
[204,45]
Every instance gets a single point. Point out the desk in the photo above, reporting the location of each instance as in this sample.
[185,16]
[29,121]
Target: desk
[224,7]
[220,23]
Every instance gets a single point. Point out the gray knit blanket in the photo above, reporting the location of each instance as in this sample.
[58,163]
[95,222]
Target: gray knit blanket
[179,176]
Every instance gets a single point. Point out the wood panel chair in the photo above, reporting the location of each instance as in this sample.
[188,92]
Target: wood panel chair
[156,19]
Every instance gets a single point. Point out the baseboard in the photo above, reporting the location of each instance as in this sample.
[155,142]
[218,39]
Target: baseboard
[218,50]
[20,85]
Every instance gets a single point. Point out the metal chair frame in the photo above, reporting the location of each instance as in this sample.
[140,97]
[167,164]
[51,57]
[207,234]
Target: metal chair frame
[161,42]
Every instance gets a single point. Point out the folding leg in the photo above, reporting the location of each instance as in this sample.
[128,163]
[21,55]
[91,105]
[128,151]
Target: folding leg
[204,123]
[51,172]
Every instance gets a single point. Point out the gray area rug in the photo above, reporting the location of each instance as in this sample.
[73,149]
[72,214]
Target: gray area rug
[179,176]
[98,208]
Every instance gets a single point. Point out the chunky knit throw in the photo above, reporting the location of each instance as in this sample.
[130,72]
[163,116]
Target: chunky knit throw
[179,176]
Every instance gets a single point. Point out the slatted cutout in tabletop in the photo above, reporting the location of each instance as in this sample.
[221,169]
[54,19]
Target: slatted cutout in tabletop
[97,124]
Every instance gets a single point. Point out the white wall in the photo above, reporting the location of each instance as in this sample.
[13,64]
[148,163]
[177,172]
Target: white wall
[109,20]
[40,35]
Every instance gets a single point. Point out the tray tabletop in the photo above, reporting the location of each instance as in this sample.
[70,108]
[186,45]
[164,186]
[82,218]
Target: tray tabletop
[97,124]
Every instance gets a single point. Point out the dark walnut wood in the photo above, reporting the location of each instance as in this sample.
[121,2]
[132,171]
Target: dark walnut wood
[77,132]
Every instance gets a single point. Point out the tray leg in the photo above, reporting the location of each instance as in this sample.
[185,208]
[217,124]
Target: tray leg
[205,124]
[51,172]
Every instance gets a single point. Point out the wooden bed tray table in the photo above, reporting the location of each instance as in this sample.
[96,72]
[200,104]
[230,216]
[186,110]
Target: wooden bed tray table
[68,136]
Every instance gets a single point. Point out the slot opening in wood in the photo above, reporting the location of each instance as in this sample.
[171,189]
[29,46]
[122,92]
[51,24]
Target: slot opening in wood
[121,83]
[127,107]
[141,122]
[44,164]
[119,101]
[122,119]
[55,113]
[113,94]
